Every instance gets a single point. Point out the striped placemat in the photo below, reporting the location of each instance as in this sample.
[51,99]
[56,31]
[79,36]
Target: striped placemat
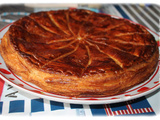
[11,13]
[146,15]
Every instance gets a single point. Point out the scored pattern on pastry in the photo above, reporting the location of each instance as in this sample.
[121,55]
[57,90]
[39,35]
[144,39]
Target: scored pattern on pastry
[80,42]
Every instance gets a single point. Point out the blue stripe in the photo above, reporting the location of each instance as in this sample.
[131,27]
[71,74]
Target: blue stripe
[26,13]
[16,106]
[98,110]
[56,105]
[1,105]
[11,21]
[37,105]
[4,14]
[140,103]
[118,106]
[76,106]
[92,9]
[122,12]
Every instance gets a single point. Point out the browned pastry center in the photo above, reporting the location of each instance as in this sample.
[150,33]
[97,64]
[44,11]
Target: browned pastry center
[79,52]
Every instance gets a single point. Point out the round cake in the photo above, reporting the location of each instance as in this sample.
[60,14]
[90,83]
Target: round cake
[79,53]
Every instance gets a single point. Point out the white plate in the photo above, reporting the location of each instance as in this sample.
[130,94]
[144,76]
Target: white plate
[140,90]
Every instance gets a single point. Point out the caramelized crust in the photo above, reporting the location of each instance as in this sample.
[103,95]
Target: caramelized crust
[79,53]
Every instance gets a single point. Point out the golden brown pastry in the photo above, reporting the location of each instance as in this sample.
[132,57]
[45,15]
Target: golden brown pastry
[79,53]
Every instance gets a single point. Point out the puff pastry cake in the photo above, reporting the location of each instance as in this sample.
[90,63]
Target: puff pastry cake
[79,53]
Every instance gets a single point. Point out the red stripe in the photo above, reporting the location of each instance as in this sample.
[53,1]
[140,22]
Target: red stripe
[152,110]
[129,109]
[132,110]
[1,87]
[119,113]
[145,110]
[140,110]
[115,113]
[148,110]
[127,112]
[158,42]
[122,112]
[137,111]
[109,110]
[106,110]
[5,27]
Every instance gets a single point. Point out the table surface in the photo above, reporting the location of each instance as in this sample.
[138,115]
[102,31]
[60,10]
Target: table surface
[13,101]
